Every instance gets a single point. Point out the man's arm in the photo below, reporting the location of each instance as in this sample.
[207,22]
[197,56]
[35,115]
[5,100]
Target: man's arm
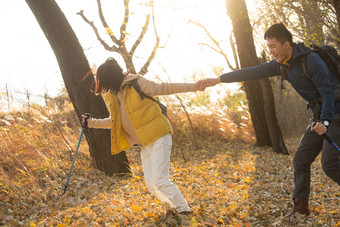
[268,69]
[318,69]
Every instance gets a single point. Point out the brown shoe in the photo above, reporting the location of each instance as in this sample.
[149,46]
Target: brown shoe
[186,212]
[300,206]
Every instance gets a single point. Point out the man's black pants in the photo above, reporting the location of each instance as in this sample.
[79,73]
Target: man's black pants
[310,147]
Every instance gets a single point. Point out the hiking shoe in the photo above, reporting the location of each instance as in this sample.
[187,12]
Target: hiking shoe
[185,212]
[300,206]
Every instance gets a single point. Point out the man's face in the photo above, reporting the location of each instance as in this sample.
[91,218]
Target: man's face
[281,52]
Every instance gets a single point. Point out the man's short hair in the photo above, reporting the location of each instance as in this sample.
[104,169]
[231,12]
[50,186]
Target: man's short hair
[280,32]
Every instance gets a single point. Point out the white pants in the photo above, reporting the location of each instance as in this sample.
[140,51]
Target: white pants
[156,163]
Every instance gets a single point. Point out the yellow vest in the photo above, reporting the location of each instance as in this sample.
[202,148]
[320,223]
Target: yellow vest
[145,116]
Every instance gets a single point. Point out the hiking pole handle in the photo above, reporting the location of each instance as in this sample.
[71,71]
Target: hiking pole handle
[87,116]
[329,139]
[324,135]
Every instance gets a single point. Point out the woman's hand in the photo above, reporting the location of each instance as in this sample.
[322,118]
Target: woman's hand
[209,82]
[86,117]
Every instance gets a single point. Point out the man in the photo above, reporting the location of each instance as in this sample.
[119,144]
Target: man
[322,85]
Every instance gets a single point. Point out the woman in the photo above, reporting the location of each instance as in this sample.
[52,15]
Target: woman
[138,121]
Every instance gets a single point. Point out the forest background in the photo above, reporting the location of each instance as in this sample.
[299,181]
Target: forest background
[214,137]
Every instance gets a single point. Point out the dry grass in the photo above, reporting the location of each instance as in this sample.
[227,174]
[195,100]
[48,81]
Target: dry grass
[37,145]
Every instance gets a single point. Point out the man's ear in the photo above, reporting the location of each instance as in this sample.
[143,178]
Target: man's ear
[286,44]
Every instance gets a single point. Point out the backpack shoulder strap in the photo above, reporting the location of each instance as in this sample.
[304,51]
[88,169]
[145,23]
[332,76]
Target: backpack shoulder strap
[142,95]
[305,72]
[135,85]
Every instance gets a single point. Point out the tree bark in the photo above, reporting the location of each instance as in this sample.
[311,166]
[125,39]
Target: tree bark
[275,134]
[74,65]
[259,93]
[336,4]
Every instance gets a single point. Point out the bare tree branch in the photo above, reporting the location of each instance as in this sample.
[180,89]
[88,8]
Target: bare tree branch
[119,44]
[215,42]
[141,36]
[94,28]
[153,20]
[186,113]
[233,47]
[125,22]
[106,26]
[144,69]
[166,42]
[211,47]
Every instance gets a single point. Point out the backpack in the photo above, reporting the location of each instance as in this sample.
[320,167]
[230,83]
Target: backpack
[329,55]
[332,59]
[142,95]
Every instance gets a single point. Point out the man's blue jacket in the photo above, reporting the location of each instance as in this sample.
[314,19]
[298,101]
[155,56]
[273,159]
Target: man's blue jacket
[323,84]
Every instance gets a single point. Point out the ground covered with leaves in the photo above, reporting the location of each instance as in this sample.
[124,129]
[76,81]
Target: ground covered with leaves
[229,184]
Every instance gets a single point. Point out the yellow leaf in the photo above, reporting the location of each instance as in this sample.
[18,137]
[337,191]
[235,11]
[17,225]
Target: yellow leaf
[220,221]
[32,224]
[2,93]
[148,214]
[109,31]
[135,208]
[61,225]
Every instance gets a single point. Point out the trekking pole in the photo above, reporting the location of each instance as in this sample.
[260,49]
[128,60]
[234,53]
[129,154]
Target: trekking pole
[329,139]
[83,125]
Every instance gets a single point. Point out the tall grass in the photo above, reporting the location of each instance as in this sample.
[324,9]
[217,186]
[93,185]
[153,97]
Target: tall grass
[36,147]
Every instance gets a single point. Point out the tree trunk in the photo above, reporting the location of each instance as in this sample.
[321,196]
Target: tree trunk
[270,115]
[259,94]
[74,65]
[336,4]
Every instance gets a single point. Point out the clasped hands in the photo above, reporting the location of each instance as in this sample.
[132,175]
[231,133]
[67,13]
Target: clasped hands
[201,85]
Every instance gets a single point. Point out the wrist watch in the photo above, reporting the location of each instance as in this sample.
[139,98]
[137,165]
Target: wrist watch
[325,123]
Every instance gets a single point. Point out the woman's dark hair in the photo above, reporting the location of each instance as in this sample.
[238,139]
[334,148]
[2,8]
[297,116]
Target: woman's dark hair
[280,32]
[109,77]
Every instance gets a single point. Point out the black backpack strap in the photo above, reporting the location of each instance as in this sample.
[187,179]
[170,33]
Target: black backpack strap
[142,95]
[283,72]
[317,104]
[135,85]
[304,73]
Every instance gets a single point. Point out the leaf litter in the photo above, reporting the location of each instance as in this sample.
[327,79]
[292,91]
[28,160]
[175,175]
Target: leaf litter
[225,184]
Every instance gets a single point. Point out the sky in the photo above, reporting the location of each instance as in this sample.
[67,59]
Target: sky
[28,62]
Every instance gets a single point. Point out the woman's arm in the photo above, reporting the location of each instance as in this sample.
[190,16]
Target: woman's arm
[99,123]
[153,89]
